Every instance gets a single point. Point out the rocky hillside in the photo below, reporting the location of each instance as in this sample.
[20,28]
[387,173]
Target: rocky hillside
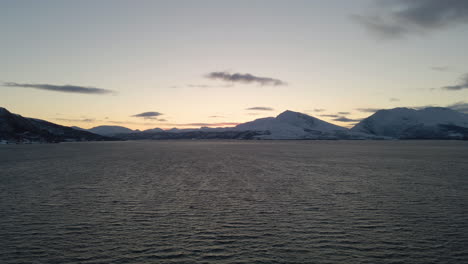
[17,129]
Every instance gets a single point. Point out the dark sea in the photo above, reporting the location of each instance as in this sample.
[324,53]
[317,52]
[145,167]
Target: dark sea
[235,202]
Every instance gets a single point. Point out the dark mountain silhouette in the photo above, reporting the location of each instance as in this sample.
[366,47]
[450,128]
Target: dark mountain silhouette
[17,129]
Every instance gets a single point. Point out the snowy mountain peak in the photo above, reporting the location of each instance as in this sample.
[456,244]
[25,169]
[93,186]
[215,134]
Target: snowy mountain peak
[291,125]
[306,121]
[289,113]
[110,130]
[291,116]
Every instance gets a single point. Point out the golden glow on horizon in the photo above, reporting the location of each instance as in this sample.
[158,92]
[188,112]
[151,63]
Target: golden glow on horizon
[327,60]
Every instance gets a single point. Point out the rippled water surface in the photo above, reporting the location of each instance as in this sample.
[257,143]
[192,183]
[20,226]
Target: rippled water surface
[235,202]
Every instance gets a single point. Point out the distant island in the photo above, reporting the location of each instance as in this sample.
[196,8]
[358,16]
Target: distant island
[397,123]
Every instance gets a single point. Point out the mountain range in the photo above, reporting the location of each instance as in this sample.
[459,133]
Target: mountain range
[397,123]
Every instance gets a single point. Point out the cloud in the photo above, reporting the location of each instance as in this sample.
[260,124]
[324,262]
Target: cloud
[368,110]
[440,68]
[316,110]
[393,99]
[208,86]
[148,114]
[345,119]
[260,108]
[379,27]
[462,85]
[153,116]
[61,88]
[206,124]
[344,113]
[216,116]
[329,115]
[398,18]
[198,85]
[244,78]
[84,120]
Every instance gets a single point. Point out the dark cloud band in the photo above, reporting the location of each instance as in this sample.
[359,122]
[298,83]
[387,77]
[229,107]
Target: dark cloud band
[260,108]
[61,88]
[403,17]
[329,115]
[84,120]
[244,78]
[152,116]
[462,85]
[208,124]
[148,114]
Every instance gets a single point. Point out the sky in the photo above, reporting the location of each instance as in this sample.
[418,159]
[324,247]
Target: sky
[146,64]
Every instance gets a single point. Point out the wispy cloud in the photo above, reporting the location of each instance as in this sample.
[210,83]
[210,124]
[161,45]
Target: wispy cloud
[244,78]
[463,84]
[61,88]
[208,86]
[440,68]
[380,27]
[399,18]
[216,116]
[368,110]
[83,120]
[393,99]
[329,115]
[260,108]
[344,113]
[316,110]
[198,85]
[155,119]
[205,124]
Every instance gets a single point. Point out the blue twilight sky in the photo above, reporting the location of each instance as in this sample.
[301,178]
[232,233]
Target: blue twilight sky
[145,64]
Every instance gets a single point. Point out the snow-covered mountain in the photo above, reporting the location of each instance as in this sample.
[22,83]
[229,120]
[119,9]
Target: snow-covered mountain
[109,130]
[294,125]
[153,130]
[405,123]
[287,125]
[398,123]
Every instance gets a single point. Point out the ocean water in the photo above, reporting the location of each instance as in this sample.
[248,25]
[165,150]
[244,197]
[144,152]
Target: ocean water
[235,202]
